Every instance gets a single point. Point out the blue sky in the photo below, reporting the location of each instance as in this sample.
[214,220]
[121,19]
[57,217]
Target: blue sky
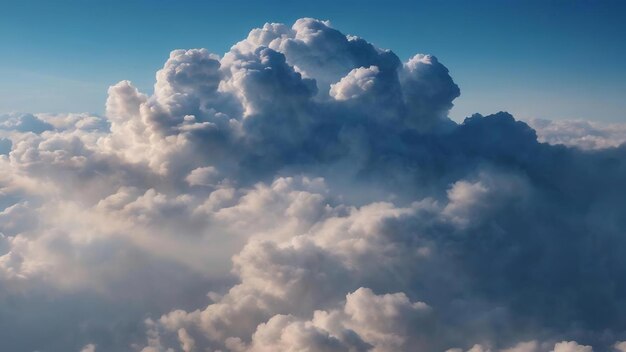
[547,59]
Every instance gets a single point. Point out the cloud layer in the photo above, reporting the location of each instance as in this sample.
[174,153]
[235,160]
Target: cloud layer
[306,191]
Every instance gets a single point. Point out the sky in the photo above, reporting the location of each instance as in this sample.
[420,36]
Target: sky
[314,187]
[535,59]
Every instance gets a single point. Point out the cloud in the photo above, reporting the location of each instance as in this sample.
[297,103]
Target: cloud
[307,191]
[571,346]
[355,84]
[24,123]
[89,348]
[620,346]
[202,176]
[585,135]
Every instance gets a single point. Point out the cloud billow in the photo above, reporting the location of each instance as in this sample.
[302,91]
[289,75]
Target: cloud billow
[306,191]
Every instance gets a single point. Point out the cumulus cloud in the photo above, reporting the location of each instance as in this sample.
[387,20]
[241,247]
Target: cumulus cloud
[202,176]
[24,123]
[306,191]
[89,348]
[620,346]
[571,346]
[586,135]
[355,84]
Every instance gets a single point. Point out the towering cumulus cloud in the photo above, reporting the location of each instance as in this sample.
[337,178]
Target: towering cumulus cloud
[306,191]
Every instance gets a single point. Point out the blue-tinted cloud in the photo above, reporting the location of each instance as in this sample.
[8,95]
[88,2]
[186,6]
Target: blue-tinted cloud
[24,123]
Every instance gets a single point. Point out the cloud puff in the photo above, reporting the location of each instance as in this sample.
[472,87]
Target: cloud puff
[355,84]
[307,191]
[582,134]
[24,123]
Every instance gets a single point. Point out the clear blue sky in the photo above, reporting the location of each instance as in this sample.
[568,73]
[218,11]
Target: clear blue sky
[549,59]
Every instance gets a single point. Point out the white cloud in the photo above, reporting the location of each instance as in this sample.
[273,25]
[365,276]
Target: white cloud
[586,135]
[571,346]
[313,184]
[89,348]
[357,83]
